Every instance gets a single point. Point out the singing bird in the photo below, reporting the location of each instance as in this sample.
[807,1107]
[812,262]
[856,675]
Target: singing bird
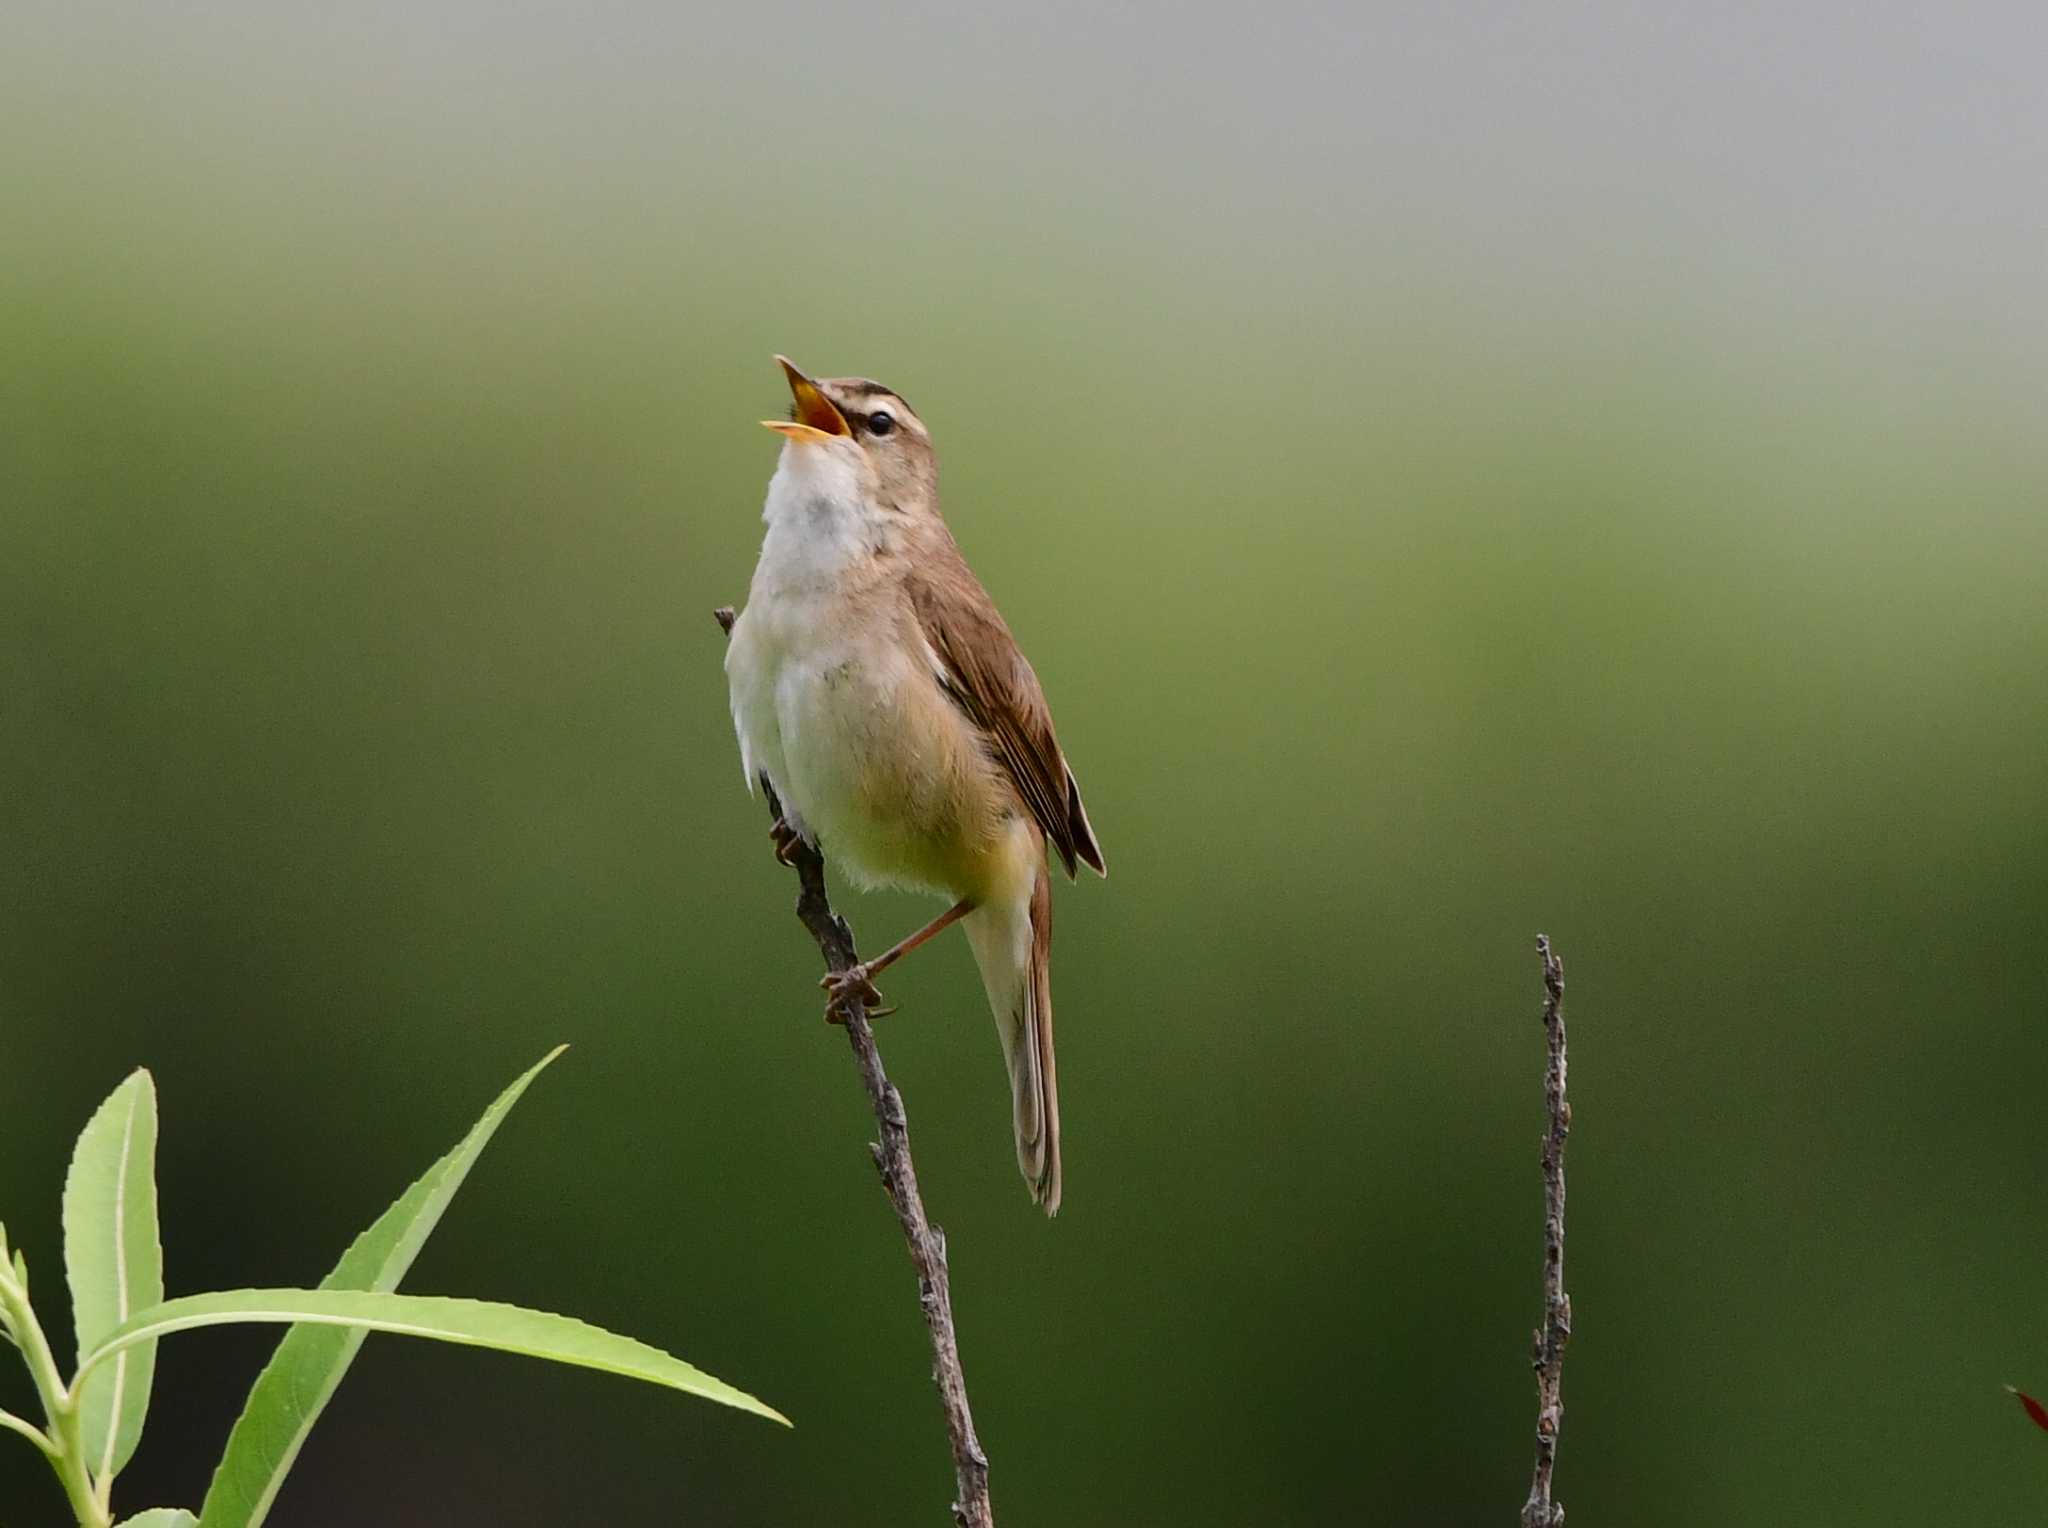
[879,693]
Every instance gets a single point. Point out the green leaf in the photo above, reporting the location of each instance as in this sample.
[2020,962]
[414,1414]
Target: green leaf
[301,1377]
[114,1261]
[160,1517]
[476,1323]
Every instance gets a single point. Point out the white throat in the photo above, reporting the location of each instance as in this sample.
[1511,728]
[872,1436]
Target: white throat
[819,516]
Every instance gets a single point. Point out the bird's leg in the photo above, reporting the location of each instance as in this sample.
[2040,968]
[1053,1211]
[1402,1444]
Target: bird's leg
[841,985]
[785,839]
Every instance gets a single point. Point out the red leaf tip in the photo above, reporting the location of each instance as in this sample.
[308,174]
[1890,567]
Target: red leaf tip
[2032,1407]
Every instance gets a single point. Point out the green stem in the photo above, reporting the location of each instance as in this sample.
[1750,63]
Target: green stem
[76,1477]
[66,1451]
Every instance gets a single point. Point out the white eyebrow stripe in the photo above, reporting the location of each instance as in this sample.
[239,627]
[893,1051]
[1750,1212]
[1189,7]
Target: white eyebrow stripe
[857,401]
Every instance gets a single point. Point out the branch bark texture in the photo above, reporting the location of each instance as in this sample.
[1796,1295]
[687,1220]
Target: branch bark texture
[891,1151]
[1547,1355]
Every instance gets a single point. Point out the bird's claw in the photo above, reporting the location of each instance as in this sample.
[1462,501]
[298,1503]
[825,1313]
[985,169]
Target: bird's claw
[843,986]
[785,839]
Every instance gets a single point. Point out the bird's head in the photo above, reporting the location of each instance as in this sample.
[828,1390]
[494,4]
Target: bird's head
[866,428]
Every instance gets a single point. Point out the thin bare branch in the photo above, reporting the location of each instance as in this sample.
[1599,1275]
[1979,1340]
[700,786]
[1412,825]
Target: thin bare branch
[1547,1356]
[927,1243]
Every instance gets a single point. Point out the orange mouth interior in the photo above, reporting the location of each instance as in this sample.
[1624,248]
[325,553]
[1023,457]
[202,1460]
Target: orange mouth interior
[811,407]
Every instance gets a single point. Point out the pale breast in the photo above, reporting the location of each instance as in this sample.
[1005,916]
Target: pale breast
[893,776]
[858,740]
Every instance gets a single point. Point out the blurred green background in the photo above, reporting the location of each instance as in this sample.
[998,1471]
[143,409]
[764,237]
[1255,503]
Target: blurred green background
[1456,475]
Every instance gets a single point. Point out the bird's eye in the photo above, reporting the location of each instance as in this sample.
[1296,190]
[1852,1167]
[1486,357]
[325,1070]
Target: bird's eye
[881,422]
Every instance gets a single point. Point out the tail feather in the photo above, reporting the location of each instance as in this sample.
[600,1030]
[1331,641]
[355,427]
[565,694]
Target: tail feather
[1013,946]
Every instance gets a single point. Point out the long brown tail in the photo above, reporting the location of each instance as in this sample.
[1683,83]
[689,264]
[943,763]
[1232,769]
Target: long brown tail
[1013,946]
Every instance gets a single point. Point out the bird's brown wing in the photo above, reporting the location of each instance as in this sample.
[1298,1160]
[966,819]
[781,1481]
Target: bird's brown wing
[988,677]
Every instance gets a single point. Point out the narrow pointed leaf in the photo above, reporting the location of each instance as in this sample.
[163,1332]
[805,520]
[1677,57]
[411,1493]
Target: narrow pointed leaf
[160,1517]
[302,1375]
[476,1323]
[114,1262]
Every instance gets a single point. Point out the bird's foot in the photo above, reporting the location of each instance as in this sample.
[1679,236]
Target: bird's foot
[842,987]
[785,839]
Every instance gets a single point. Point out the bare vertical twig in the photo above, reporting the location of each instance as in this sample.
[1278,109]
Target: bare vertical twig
[1547,1356]
[927,1243]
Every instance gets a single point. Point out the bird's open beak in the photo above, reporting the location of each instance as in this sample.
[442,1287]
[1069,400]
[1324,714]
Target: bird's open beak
[816,417]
